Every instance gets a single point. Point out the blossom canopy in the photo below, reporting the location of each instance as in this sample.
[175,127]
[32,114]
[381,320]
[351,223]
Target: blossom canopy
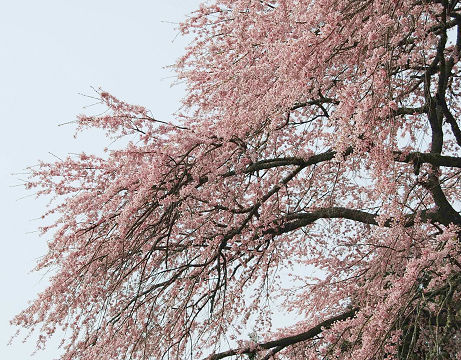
[315,170]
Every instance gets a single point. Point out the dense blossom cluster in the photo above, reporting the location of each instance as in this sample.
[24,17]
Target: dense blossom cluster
[321,139]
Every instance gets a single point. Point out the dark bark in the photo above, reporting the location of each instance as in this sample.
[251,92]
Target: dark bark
[281,343]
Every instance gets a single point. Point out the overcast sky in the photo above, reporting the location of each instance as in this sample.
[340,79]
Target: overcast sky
[50,51]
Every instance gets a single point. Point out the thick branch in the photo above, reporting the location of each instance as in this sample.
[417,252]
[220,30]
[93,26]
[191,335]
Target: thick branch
[450,215]
[430,158]
[289,340]
[296,221]
[451,120]
[413,157]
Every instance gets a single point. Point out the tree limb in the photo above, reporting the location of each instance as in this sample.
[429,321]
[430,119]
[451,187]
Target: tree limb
[286,341]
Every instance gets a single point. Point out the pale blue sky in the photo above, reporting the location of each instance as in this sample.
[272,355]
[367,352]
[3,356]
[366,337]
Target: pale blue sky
[49,52]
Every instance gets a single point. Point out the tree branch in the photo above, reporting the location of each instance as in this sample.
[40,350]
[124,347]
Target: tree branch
[429,158]
[296,221]
[413,157]
[289,340]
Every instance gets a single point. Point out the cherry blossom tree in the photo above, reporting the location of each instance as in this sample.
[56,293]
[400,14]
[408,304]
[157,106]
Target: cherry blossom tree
[314,170]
